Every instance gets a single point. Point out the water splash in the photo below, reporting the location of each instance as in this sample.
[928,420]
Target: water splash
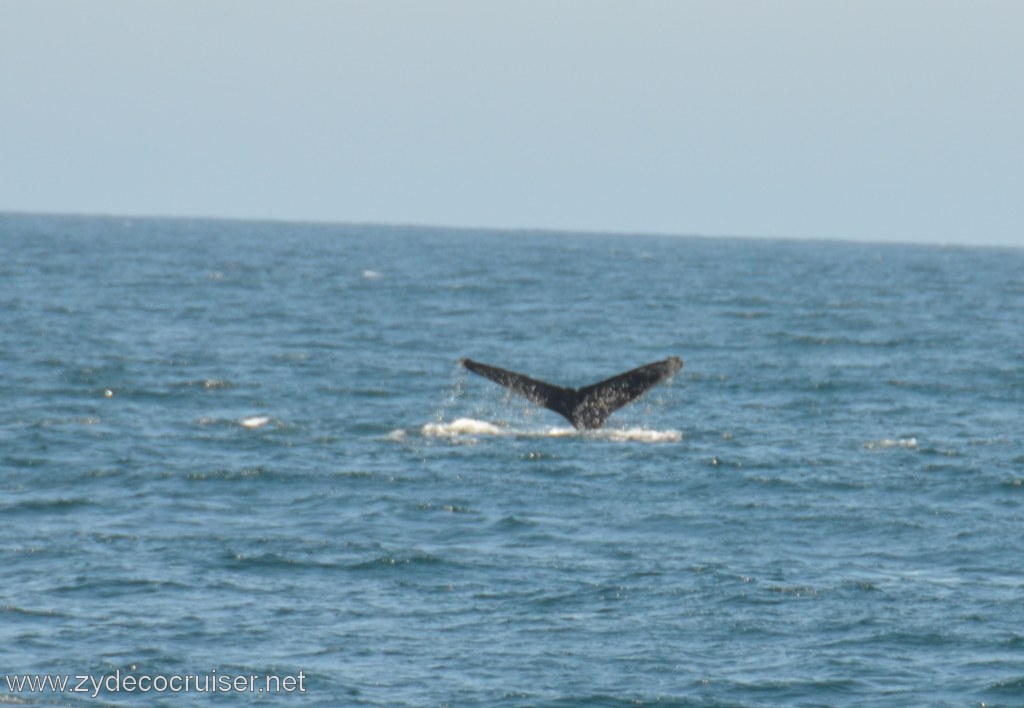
[461,426]
[471,427]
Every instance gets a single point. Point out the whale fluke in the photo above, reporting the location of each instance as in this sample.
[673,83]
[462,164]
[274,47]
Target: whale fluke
[587,408]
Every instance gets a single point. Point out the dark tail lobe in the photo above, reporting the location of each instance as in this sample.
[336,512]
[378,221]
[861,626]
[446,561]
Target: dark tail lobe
[586,408]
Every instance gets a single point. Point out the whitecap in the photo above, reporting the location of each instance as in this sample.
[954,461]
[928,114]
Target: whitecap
[888,443]
[255,421]
[215,383]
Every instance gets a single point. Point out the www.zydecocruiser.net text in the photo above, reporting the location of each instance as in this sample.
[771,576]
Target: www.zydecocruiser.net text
[123,682]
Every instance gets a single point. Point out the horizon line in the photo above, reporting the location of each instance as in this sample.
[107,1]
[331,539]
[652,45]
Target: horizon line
[510,230]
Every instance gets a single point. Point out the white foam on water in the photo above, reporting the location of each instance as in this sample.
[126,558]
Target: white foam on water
[472,427]
[888,443]
[554,432]
[640,435]
[644,435]
[461,426]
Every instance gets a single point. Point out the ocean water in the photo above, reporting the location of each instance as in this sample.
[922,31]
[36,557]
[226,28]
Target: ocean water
[234,449]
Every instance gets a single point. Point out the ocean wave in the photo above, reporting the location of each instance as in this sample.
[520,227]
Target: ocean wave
[255,421]
[207,384]
[26,612]
[60,504]
[273,560]
[251,422]
[389,561]
[889,443]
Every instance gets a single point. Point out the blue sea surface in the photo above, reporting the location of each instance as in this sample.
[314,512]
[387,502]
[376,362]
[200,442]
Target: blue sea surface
[248,449]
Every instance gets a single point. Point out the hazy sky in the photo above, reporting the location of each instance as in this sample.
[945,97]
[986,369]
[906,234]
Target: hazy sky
[861,119]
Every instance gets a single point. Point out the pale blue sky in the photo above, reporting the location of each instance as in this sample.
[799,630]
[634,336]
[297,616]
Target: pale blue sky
[896,120]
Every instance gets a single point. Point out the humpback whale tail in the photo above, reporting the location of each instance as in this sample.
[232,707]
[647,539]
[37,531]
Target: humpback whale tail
[586,408]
